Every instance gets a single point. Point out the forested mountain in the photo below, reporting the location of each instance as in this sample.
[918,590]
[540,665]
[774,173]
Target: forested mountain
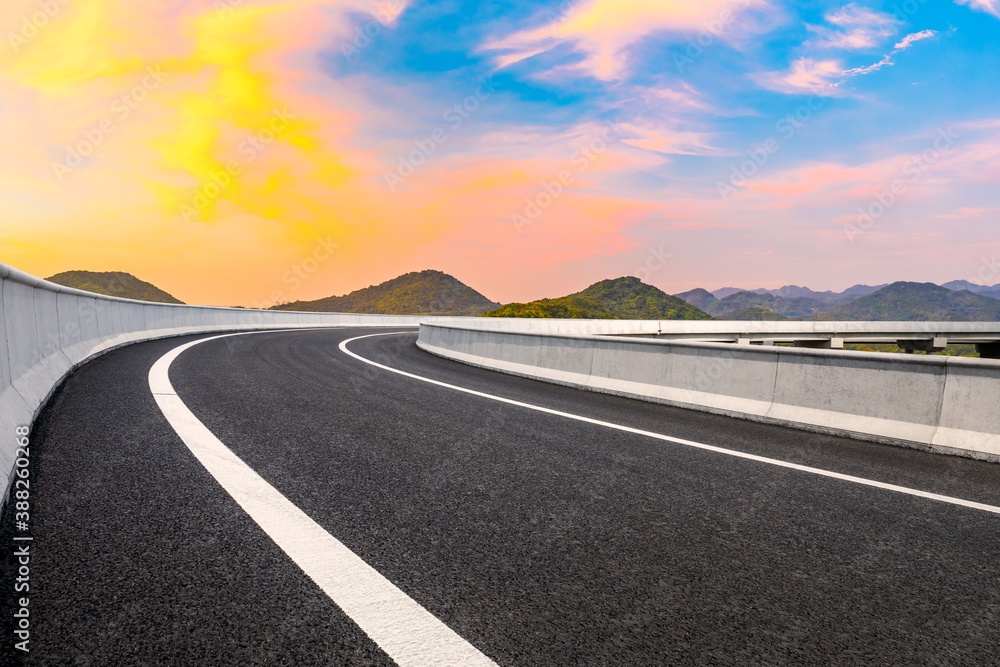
[699,298]
[113,283]
[622,298]
[417,293]
[909,302]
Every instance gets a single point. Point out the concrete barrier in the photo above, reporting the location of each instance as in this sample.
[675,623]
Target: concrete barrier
[938,403]
[47,330]
[935,402]
[719,331]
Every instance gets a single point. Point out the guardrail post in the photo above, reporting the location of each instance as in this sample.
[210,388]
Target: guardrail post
[988,350]
[933,345]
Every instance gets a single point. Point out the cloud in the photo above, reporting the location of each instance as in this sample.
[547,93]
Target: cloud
[805,76]
[935,172]
[665,141]
[913,37]
[969,213]
[988,6]
[887,59]
[823,77]
[604,29]
[857,28]
[860,28]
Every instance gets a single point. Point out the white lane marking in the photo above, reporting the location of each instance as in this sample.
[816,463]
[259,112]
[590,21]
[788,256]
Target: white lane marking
[407,632]
[679,441]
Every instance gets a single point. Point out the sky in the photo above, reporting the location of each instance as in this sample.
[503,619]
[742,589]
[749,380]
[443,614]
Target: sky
[248,152]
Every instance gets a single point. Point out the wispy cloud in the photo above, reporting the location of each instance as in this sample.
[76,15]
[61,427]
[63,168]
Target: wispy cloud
[970,213]
[823,77]
[806,75]
[857,28]
[988,6]
[914,37]
[887,60]
[602,30]
[857,71]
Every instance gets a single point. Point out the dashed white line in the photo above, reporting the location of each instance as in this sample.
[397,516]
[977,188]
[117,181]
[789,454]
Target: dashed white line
[678,441]
[408,633]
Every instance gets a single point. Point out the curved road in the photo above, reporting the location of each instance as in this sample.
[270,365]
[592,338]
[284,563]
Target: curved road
[536,538]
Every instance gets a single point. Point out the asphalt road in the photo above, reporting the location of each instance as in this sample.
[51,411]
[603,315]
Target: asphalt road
[538,539]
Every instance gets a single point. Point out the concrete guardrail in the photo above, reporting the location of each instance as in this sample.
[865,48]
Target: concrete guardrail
[47,330]
[922,336]
[938,403]
[945,403]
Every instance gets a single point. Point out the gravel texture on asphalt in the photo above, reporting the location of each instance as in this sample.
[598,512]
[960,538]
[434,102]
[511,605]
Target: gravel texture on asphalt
[538,539]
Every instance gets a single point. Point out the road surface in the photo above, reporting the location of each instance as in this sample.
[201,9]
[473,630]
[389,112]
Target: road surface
[528,527]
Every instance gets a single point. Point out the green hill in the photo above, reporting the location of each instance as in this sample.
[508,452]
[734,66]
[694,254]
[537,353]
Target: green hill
[910,302]
[416,293]
[620,299]
[567,307]
[113,283]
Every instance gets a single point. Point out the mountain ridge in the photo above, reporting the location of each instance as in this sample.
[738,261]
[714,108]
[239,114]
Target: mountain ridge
[113,283]
[428,292]
[912,302]
[618,298]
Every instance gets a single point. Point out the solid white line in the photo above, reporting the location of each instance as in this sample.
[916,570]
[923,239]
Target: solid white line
[407,632]
[679,441]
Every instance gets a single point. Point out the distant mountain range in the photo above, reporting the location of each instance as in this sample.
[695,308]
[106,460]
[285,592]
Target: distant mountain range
[417,293]
[907,302]
[862,290]
[903,301]
[796,292]
[113,283]
[726,309]
[699,298]
[436,293]
[622,298]
[983,290]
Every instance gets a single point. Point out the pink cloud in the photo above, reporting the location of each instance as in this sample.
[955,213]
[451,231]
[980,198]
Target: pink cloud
[805,76]
[988,6]
[860,28]
[968,213]
[604,29]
